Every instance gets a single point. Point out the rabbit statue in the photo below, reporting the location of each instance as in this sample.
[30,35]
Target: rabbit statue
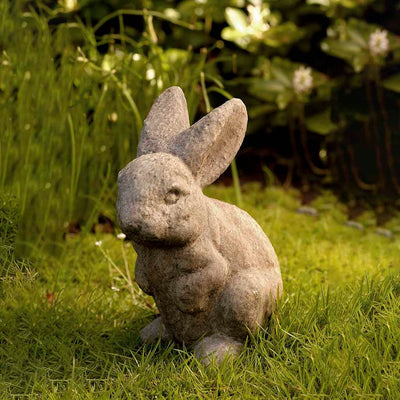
[212,271]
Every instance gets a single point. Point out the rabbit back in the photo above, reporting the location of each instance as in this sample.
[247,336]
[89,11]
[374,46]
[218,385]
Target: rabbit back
[254,284]
[242,242]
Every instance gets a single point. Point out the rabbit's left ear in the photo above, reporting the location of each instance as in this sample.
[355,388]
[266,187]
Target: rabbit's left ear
[209,146]
[167,117]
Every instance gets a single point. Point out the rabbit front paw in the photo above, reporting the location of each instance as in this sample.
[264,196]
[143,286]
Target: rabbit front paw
[216,347]
[154,331]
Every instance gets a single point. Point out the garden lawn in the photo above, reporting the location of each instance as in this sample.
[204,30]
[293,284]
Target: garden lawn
[69,323]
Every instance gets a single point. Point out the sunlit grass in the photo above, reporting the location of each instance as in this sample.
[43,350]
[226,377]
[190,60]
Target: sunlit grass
[69,324]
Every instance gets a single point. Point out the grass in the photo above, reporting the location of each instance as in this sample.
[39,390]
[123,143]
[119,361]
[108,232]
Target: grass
[69,324]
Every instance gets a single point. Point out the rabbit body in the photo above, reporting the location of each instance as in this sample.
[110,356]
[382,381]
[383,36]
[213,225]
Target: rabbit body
[224,282]
[212,271]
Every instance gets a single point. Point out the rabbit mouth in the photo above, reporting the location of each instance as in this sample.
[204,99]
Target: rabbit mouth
[151,239]
[138,235]
[148,238]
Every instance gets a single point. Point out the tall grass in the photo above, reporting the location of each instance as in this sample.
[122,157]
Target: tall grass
[70,116]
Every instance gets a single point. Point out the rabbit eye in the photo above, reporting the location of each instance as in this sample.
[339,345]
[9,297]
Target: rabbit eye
[172,196]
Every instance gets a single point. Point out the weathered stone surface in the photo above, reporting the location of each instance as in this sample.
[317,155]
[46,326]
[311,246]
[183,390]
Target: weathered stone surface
[211,269]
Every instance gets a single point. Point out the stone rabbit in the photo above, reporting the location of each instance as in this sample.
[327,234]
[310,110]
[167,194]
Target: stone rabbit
[212,271]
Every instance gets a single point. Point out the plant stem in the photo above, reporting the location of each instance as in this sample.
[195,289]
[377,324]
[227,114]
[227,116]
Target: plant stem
[295,153]
[126,93]
[234,170]
[343,163]
[144,12]
[73,167]
[388,134]
[236,183]
[303,138]
[205,94]
[360,183]
[381,182]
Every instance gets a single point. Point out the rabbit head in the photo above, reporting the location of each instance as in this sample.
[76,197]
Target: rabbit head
[160,195]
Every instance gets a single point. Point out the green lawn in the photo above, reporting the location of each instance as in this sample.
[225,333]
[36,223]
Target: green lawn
[69,323]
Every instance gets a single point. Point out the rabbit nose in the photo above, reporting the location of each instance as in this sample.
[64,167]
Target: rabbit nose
[128,221]
[135,225]
[133,228]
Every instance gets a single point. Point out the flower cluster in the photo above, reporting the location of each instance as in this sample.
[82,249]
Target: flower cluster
[378,43]
[302,80]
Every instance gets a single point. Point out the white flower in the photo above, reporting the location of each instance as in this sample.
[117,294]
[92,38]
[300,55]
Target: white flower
[98,243]
[302,80]
[121,236]
[257,26]
[70,5]
[378,43]
[255,16]
[150,74]
[113,117]
[114,288]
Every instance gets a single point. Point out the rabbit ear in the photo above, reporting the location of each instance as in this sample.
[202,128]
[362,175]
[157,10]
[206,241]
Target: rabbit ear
[167,117]
[209,146]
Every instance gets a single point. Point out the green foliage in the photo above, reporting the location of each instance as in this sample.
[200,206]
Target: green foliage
[69,325]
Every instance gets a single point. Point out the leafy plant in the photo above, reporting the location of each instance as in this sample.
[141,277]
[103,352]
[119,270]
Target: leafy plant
[289,87]
[359,43]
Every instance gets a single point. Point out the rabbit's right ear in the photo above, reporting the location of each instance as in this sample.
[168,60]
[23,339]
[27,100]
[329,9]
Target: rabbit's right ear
[209,146]
[168,116]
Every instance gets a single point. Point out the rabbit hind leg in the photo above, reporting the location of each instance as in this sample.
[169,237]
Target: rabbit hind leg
[243,305]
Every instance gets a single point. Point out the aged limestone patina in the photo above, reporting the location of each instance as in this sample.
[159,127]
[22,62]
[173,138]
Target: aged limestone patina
[212,271]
